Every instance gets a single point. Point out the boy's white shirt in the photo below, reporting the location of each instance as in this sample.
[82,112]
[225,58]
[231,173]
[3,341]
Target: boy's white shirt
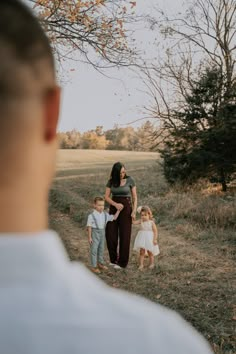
[100,218]
[51,305]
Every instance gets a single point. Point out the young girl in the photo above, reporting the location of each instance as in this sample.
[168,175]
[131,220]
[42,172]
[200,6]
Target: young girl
[146,239]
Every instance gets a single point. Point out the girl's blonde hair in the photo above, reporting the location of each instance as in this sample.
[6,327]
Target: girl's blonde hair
[146,210]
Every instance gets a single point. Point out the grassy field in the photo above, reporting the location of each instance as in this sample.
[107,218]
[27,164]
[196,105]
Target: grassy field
[71,163]
[195,272]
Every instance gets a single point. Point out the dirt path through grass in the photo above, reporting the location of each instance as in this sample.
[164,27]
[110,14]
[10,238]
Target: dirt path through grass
[188,278]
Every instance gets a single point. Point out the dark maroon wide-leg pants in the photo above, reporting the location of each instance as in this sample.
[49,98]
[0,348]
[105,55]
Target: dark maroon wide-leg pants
[120,230]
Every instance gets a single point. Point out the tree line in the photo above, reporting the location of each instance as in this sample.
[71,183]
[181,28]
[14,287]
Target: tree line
[128,138]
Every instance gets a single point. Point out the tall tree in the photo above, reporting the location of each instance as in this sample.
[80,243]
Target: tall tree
[203,143]
[201,37]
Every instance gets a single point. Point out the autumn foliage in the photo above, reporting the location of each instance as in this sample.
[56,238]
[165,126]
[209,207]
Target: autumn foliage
[95,26]
[113,139]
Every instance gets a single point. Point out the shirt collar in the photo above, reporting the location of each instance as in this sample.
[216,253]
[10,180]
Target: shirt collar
[97,212]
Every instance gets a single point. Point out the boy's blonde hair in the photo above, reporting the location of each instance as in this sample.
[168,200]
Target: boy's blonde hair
[147,210]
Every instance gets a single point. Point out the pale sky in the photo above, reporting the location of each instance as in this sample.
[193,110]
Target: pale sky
[91,99]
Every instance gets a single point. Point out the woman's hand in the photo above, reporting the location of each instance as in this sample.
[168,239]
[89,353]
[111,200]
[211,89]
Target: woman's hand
[119,206]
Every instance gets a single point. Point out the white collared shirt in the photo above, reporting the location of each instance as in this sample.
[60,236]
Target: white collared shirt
[101,219]
[49,305]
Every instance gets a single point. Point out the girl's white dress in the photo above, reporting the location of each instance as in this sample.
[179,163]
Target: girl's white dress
[144,238]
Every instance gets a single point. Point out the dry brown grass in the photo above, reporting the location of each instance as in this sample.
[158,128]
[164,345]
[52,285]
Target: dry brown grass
[204,210]
[194,274]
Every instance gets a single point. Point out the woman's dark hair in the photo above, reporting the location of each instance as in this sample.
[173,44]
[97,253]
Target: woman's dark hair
[115,174]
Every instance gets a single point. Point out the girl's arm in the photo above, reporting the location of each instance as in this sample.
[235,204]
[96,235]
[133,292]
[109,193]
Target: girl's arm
[134,202]
[108,199]
[155,233]
[136,222]
[116,214]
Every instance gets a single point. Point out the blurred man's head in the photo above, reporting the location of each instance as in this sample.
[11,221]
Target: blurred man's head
[29,101]
[28,94]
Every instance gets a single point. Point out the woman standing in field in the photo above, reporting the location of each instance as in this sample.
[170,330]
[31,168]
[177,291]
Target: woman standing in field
[121,195]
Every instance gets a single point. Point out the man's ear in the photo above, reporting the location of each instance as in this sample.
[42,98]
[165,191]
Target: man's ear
[52,109]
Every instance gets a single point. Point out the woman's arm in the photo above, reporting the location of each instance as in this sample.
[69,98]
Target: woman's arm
[134,202]
[108,199]
[155,233]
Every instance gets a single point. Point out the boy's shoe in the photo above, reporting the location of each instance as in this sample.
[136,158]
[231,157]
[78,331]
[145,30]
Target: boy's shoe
[151,266]
[95,270]
[140,267]
[102,266]
[116,266]
[112,264]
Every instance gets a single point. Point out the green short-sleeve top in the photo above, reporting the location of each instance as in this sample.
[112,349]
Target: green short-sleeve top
[122,191]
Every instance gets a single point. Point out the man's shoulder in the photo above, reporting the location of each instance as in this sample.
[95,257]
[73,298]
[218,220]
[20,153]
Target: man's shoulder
[77,303]
[120,309]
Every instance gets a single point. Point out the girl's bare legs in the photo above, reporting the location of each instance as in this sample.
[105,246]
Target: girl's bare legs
[151,260]
[141,258]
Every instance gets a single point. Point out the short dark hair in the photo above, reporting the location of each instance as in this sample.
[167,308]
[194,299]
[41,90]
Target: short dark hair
[23,43]
[98,199]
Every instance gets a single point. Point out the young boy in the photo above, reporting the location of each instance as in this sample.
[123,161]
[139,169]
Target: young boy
[96,225]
